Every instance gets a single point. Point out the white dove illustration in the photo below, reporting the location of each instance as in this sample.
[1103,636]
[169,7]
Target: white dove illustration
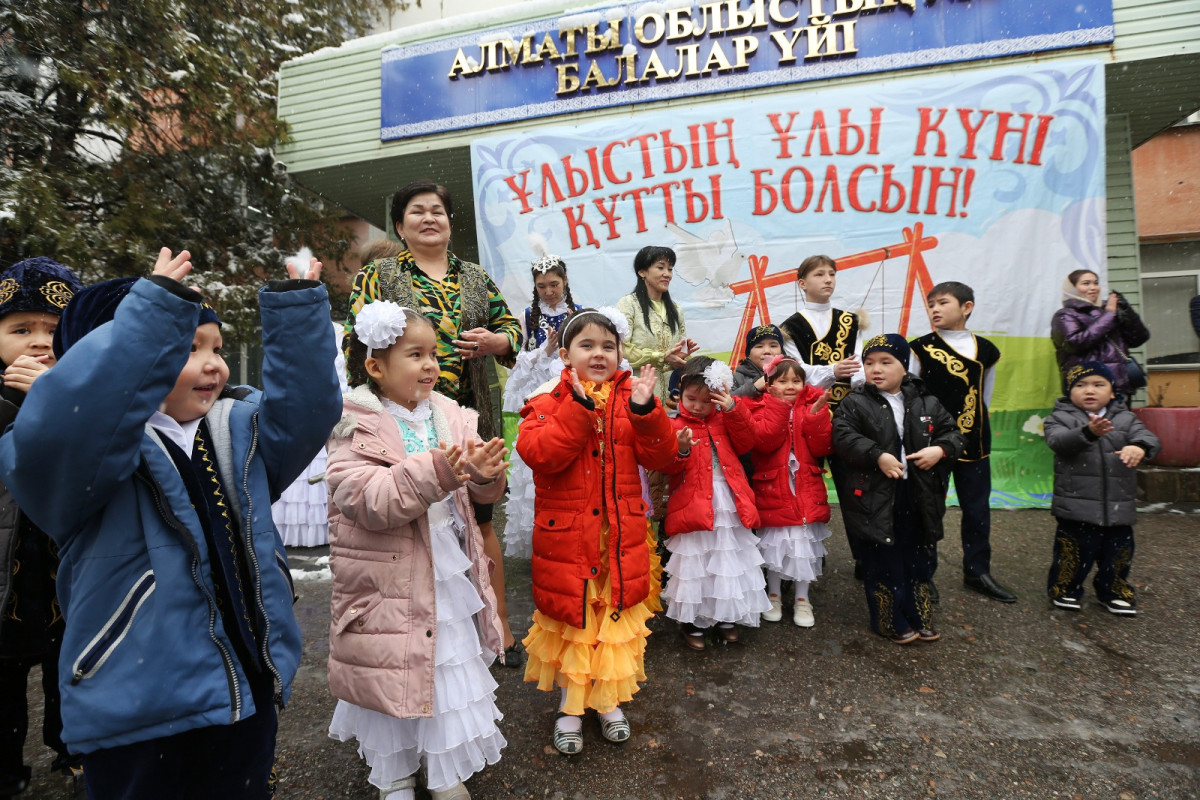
[714,261]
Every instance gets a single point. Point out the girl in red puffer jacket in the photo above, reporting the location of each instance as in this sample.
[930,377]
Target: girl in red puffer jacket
[594,580]
[795,431]
[715,568]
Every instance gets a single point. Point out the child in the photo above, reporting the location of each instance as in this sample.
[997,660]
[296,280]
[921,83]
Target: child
[410,578]
[537,363]
[715,568]
[823,338]
[34,293]
[890,435]
[584,439]
[762,344]
[1097,443]
[794,433]
[959,369]
[156,480]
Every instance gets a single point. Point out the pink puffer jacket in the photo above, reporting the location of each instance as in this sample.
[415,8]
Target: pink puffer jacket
[383,618]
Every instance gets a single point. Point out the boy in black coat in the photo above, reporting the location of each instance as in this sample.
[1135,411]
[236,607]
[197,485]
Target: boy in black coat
[895,442]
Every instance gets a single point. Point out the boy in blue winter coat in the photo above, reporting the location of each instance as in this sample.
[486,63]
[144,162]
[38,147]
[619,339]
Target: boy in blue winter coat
[156,482]
[1097,444]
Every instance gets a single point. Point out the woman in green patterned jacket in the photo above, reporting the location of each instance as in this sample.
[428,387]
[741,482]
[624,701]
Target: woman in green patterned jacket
[469,315]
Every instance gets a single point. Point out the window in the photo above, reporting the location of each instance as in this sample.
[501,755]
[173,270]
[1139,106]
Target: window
[1170,279]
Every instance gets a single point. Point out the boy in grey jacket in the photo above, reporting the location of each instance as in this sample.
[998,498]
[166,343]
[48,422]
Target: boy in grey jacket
[1097,443]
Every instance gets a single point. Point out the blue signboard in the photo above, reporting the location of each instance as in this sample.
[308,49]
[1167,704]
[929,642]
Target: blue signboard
[631,54]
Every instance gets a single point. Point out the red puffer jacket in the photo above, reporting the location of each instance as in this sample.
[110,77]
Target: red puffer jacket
[583,476]
[690,506]
[810,437]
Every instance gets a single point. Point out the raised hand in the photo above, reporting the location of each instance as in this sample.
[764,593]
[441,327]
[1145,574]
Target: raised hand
[552,342]
[845,368]
[684,437]
[722,398]
[890,466]
[1111,304]
[927,457]
[174,267]
[820,403]
[677,355]
[576,385]
[488,458]
[643,385]
[313,273]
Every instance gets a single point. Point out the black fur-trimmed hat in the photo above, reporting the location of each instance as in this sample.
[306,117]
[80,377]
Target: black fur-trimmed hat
[41,285]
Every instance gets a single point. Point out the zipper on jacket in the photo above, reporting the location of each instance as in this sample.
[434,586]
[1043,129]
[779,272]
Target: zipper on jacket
[113,632]
[609,435]
[249,542]
[235,690]
[1103,482]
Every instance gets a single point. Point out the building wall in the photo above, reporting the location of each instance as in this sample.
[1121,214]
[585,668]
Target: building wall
[1166,180]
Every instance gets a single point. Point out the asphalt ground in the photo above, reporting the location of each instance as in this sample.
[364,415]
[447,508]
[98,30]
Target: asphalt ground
[1015,701]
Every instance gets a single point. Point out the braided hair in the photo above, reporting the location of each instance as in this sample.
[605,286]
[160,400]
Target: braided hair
[557,267]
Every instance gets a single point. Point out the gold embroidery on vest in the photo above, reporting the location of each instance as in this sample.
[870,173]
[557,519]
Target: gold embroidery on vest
[966,420]
[955,367]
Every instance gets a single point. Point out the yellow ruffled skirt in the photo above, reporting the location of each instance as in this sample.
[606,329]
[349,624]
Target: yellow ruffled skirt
[600,664]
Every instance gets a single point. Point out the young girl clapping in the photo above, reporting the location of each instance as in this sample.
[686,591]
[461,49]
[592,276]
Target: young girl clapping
[795,431]
[715,569]
[584,438]
[414,623]
[537,363]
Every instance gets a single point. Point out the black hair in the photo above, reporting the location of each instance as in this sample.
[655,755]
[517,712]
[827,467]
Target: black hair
[356,352]
[811,263]
[580,320]
[646,258]
[692,372]
[1078,274]
[785,366]
[959,291]
[559,268]
[402,198]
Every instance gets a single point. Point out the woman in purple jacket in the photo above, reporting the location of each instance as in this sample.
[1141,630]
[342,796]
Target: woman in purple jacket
[1086,330]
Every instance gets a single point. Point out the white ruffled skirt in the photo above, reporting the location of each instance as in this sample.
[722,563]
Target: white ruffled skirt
[533,369]
[300,513]
[794,551]
[716,576]
[461,737]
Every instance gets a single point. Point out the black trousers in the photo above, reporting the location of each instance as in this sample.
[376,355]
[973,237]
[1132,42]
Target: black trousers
[220,762]
[1078,546]
[14,715]
[896,577]
[973,483]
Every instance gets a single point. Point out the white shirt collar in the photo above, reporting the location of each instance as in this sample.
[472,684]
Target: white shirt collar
[182,434]
[554,311]
[810,306]
[422,412]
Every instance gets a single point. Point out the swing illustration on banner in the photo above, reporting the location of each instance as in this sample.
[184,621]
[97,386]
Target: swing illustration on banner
[916,278]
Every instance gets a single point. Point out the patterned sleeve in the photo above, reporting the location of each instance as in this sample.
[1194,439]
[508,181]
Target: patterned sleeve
[364,290]
[500,320]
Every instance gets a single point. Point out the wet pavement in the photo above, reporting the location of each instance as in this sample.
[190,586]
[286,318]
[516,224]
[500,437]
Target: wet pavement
[1015,701]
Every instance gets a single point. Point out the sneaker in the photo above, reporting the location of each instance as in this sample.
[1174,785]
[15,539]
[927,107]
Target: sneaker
[1121,607]
[1067,602]
[775,612]
[802,614]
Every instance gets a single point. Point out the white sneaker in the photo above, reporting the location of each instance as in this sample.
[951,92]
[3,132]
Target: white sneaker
[775,612]
[802,614]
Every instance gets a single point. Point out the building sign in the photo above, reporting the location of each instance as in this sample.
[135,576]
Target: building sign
[994,178]
[653,51]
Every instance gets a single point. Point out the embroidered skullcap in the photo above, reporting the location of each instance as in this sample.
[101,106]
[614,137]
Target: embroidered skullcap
[1080,371]
[39,284]
[892,343]
[761,334]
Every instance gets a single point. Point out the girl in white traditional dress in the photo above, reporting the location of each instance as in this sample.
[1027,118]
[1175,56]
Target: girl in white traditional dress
[414,624]
[715,568]
[537,363]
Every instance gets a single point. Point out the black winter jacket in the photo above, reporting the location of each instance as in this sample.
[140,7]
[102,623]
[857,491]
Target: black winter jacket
[863,430]
[1091,484]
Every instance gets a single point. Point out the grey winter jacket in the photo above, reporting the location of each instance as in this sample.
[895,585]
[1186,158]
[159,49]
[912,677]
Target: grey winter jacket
[1091,484]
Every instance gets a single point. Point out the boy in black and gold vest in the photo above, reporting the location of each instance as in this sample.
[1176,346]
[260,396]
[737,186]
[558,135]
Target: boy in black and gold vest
[958,369]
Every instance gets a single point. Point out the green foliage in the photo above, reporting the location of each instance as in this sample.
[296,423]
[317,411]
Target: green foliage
[134,125]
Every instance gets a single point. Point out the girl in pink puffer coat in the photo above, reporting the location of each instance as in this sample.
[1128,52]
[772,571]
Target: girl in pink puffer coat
[414,624]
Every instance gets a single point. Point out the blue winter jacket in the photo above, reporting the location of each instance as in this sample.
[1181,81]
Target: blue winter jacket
[145,654]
